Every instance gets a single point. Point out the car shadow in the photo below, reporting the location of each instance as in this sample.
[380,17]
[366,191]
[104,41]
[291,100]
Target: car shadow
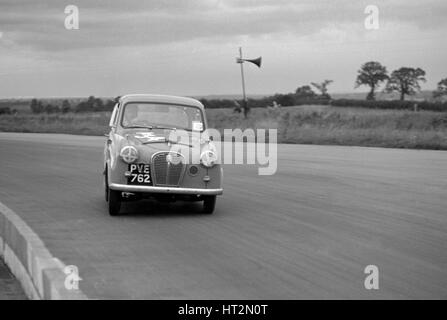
[153,208]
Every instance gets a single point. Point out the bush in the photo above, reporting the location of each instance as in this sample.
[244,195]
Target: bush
[5,110]
[285,100]
[49,108]
[217,103]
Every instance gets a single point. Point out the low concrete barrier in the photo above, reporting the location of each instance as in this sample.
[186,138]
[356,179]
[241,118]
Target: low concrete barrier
[40,274]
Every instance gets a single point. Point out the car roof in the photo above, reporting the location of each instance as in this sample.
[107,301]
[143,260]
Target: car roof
[158,98]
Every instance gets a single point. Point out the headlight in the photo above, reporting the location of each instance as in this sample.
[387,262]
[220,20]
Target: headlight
[129,154]
[208,158]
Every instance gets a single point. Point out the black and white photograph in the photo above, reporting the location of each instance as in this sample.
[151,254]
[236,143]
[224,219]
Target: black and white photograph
[223,154]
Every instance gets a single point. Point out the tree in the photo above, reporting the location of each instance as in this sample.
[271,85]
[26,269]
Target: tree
[405,81]
[305,92]
[284,99]
[90,105]
[371,74]
[322,87]
[65,106]
[36,106]
[441,90]
[109,105]
[49,108]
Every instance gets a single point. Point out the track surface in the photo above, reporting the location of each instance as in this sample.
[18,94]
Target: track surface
[306,232]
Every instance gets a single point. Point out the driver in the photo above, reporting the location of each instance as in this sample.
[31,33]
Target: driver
[130,114]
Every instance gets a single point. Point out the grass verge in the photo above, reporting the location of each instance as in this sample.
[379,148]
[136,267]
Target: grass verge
[304,124]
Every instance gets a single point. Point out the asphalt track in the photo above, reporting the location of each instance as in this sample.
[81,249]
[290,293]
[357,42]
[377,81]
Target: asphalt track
[306,232]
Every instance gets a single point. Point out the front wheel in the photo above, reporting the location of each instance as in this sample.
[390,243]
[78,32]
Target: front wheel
[106,187]
[209,203]
[114,202]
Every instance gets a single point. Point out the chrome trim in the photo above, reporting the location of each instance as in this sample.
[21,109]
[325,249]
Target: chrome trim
[172,190]
[154,175]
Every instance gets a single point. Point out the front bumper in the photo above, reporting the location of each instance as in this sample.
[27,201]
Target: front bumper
[170,190]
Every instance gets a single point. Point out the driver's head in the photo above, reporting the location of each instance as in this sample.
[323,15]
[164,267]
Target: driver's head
[132,111]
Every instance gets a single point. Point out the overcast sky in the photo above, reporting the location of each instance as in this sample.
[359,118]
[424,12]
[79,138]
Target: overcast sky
[189,47]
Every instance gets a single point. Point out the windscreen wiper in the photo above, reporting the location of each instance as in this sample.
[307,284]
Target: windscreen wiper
[161,127]
[140,127]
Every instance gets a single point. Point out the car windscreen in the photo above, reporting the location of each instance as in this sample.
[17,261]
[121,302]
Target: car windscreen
[159,115]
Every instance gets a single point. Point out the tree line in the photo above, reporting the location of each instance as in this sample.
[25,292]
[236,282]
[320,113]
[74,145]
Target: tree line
[91,104]
[405,81]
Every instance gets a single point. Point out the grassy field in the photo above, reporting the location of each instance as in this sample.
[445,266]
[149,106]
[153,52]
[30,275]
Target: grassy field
[303,124]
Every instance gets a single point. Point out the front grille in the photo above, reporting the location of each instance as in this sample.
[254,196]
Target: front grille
[166,173]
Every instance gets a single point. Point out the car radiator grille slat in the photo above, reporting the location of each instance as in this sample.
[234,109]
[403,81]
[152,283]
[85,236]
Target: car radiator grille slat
[165,173]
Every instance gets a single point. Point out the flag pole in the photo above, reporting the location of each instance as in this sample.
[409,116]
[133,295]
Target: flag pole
[244,102]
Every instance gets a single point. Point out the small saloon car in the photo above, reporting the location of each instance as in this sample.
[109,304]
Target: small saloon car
[142,160]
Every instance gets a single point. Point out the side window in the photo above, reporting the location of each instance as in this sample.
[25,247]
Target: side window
[114,115]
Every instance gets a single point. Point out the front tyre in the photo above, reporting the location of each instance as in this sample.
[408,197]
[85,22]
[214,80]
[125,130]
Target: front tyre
[106,187]
[209,203]
[114,202]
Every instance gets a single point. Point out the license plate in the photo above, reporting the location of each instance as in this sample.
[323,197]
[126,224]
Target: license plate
[139,174]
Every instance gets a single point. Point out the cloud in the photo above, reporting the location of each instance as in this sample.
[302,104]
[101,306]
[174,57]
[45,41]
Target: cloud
[145,23]
[178,46]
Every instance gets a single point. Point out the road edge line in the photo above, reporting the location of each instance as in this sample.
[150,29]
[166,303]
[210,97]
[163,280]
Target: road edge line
[40,274]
